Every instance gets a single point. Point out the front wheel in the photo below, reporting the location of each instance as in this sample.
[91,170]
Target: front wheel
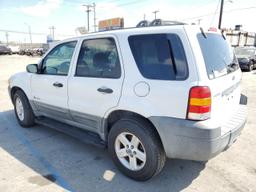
[23,110]
[136,148]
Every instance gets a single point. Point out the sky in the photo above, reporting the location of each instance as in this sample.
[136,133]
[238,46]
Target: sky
[67,15]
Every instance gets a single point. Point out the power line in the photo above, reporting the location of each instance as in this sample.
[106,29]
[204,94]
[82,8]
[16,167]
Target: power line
[232,10]
[21,32]
[125,4]
[239,9]
[112,1]
[130,3]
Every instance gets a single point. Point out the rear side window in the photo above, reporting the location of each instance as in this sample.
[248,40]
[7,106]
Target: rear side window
[159,56]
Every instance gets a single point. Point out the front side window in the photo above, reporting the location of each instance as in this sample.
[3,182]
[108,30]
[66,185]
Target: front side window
[159,56]
[57,62]
[98,58]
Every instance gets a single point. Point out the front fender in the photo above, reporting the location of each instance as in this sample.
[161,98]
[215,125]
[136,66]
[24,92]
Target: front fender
[21,81]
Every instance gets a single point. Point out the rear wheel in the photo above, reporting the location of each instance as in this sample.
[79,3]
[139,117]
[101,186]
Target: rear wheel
[136,149]
[131,153]
[23,110]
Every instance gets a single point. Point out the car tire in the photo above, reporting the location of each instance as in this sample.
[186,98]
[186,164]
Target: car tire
[23,110]
[139,162]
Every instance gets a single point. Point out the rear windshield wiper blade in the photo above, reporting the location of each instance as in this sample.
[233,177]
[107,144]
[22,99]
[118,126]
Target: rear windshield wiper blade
[223,35]
[203,33]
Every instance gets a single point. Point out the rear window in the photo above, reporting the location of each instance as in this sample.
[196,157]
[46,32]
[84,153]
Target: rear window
[218,56]
[159,56]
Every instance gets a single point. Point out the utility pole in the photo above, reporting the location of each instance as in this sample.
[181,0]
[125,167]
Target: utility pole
[88,18]
[155,12]
[199,21]
[144,17]
[52,28]
[94,16]
[88,10]
[221,12]
[30,36]
[7,39]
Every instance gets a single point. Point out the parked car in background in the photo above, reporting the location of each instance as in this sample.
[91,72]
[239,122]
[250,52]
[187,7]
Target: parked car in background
[38,51]
[14,49]
[32,52]
[246,57]
[5,50]
[21,51]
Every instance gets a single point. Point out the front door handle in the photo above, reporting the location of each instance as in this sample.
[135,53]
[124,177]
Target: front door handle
[105,90]
[57,84]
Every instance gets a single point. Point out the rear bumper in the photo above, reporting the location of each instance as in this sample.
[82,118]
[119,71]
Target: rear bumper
[198,140]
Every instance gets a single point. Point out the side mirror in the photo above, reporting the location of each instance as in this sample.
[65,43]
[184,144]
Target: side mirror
[32,68]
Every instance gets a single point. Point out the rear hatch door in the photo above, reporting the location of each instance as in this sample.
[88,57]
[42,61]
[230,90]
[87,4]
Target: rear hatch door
[223,73]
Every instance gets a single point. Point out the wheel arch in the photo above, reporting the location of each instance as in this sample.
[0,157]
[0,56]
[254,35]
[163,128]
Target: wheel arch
[116,115]
[14,90]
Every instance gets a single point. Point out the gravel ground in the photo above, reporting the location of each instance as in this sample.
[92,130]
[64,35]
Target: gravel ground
[41,159]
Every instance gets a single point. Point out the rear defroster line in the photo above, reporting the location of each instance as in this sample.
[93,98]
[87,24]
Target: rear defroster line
[18,134]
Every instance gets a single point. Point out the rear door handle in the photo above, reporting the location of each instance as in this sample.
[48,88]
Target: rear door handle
[105,90]
[57,84]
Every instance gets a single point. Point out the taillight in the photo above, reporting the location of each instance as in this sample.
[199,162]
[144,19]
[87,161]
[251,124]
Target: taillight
[199,103]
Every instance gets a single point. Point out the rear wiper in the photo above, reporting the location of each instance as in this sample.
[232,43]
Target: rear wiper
[223,35]
[203,33]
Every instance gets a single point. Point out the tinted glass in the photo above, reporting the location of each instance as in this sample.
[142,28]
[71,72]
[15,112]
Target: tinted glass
[57,62]
[159,56]
[218,55]
[98,58]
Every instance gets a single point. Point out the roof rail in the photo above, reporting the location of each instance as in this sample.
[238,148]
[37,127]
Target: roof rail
[160,22]
[146,23]
[143,23]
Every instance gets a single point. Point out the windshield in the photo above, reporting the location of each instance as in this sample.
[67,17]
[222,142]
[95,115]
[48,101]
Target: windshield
[218,55]
[243,51]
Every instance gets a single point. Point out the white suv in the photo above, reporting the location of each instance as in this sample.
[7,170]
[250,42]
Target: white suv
[145,93]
